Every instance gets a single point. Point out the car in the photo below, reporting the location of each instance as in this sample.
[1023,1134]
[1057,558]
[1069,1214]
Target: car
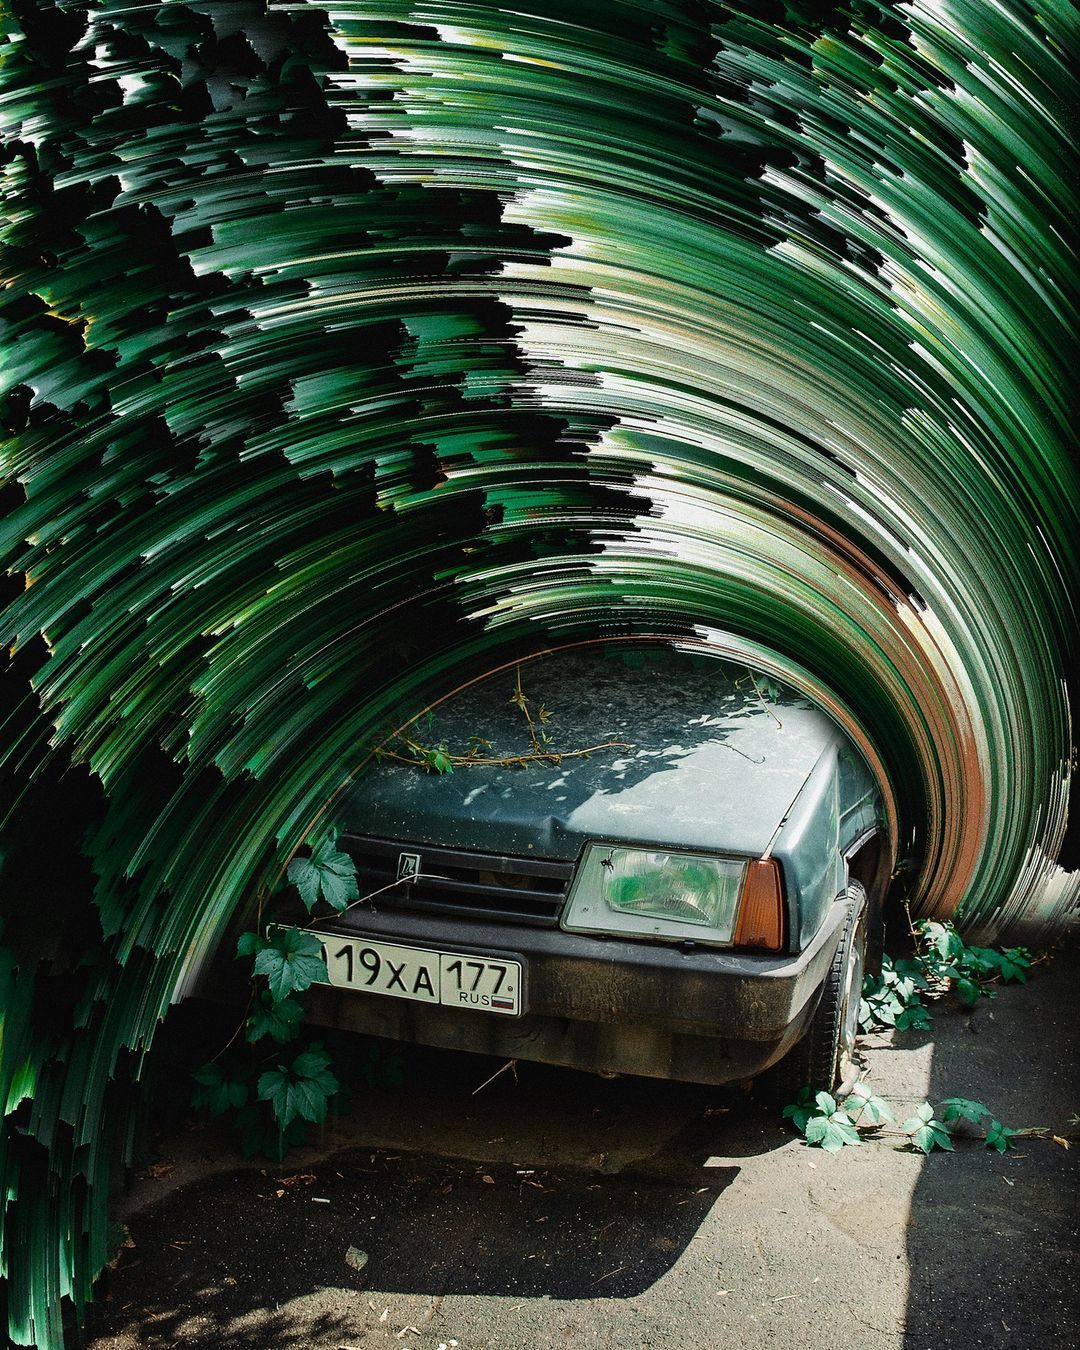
[619,857]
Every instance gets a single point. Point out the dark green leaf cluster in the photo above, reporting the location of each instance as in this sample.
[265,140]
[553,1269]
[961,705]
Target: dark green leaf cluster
[825,1123]
[301,1089]
[821,1121]
[273,1110]
[944,961]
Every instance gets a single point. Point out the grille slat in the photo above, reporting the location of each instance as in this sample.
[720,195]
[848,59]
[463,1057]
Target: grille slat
[470,885]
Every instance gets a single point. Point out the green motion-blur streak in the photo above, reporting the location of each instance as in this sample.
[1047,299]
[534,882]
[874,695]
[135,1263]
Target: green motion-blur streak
[348,351]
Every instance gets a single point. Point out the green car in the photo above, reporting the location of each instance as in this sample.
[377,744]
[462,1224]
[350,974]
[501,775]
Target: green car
[620,858]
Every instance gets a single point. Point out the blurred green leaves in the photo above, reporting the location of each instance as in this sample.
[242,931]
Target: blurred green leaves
[348,354]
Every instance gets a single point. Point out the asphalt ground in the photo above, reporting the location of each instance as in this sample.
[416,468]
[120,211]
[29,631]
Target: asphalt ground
[556,1209]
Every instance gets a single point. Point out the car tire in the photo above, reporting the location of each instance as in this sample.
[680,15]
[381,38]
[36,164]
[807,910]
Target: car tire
[823,1058]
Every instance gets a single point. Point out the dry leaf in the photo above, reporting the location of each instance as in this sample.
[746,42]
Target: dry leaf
[302,1178]
[1059,1139]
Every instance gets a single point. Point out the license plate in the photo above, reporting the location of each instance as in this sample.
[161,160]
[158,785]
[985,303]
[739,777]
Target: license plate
[454,979]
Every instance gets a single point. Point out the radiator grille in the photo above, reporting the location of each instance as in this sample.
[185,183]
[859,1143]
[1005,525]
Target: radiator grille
[470,885]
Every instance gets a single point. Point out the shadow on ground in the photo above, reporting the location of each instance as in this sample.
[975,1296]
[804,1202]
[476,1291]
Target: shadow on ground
[559,1207]
[994,1241]
[212,1260]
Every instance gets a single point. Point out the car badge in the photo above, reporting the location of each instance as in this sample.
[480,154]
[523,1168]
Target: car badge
[408,866]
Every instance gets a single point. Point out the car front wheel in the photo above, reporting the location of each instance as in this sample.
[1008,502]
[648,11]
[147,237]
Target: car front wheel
[823,1058]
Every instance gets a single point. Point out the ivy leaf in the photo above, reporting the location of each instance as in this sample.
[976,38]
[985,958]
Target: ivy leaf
[337,875]
[943,939]
[249,944]
[216,1091]
[968,991]
[262,1135]
[1015,962]
[981,961]
[961,1108]
[280,1019]
[925,1132]
[328,873]
[314,1065]
[304,875]
[276,1087]
[800,1110]
[825,1103]
[303,1090]
[912,971]
[880,1004]
[831,1132]
[862,1103]
[439,760]
[1000,1136]
[291,962]
[915,1017]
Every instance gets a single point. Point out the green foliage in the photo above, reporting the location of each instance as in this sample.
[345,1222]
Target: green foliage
[279,1019]
[285,961]
[261,1135]
[893,998]
[250,944]
[960,1108]
[941,939]
[439,759]
[999,1136]
[865,1108]
[824,1123]
[291,961]
[926,1132]
[328,874]
[217,1091]
[801,1109]
[829,1127]
[943,962]
[302,1089]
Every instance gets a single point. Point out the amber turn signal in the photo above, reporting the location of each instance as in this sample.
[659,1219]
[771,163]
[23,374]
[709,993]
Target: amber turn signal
[761,911]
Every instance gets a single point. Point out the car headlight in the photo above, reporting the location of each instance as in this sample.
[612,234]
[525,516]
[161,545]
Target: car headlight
[655,893]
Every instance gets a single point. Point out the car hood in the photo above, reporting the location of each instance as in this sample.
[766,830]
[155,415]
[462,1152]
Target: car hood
[709,757]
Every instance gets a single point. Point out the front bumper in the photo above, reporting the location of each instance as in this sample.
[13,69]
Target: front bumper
[604,1004]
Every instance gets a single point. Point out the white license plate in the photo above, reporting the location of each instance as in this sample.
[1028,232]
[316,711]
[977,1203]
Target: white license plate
[453,979]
